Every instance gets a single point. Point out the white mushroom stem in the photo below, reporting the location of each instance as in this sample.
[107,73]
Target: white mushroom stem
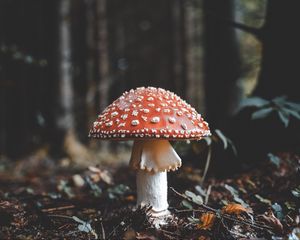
[152,190]
[152,159]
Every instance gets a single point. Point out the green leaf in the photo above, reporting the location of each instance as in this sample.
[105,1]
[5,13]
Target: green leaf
[186,204]
[235,195]
[278,211]
[293,106]
[83,226]
[290,205]
[95,189]
[195,198]
[117,191]
[291,112]
[193,220]
[274,159]
[262,113]
[279,100]
[232,146]
[76,219]
[200,190]
[296,192]
[222,137]
[263,200]
[253,102]
[284,118]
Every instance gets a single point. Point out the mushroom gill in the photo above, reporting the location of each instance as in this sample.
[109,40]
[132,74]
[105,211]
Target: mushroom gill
[154,156]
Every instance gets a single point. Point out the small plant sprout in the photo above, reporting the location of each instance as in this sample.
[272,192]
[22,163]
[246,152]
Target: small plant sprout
[151,117]
[285,109]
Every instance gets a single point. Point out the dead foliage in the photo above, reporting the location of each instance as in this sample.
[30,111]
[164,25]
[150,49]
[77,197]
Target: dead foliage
[45,200]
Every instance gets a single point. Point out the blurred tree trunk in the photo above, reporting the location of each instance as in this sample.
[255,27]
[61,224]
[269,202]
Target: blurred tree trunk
[222,62]
[90,62]
[178,68]
[280,38]
[193,49]
[103,57]
[66,118]
[103,61]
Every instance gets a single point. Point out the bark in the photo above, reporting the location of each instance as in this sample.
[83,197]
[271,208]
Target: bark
[66,118]
[193,55]
[103,57]
[222,63]
[177,31]
[90,62]
[281,36]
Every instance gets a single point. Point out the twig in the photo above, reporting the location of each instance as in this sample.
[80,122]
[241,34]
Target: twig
[188,210]
[58,208]
[59,216]
[218,213]
[102,230]
[206,165]
[207,194]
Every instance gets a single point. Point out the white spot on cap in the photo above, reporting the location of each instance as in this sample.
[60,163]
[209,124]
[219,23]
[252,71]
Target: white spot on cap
[121,125]
[135,113]
[183,125]
[144,118]
[150,98]
[151,104]
[109,124]
[166,110]
[157,109]
[135,122]
[96,124]
[172,119]
[124,116]
[200,125]
[155,119]
[146,110]
[179,113]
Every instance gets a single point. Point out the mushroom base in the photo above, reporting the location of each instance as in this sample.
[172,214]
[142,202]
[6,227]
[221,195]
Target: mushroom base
[152,190]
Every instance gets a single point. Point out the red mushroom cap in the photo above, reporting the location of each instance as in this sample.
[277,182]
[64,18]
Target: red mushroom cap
[149,113]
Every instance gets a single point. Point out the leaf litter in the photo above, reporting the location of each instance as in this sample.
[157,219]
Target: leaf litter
[99,203]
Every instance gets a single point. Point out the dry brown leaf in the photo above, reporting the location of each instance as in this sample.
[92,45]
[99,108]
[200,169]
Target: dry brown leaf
[130,198]
[203,238]
[234,208]
[270,219]
[207,220]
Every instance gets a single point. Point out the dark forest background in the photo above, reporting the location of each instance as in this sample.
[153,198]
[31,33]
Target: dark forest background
[62,62]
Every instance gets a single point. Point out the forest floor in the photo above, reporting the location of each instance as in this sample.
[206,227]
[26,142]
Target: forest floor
[41,199]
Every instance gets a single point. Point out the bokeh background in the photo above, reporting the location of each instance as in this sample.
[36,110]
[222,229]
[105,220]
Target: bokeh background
[62,62]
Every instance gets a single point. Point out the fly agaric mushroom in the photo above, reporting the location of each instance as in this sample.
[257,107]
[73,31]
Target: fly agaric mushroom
[151,117]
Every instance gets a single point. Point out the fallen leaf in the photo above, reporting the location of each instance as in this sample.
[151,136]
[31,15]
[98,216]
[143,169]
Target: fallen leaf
[207,220]
[130,198]
[270,219]
[234,208]
[144,236]
[130,234]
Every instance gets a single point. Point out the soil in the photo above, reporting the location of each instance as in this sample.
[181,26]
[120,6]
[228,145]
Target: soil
[44,199]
